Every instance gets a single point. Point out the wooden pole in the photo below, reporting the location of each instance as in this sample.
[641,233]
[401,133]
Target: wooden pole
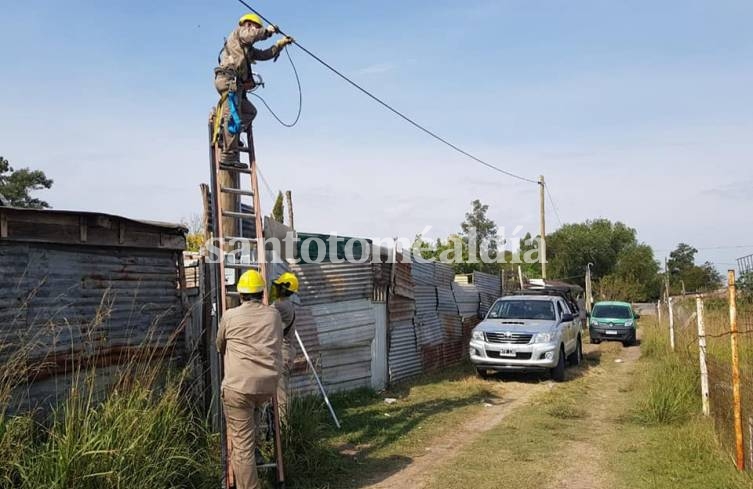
[702,357]
[289,198]
[736,395]
[658,311]
[671,324]
[542,225]
[520,277]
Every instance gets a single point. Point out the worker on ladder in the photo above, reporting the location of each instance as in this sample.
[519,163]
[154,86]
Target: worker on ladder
[234,77]
[283,288]
[250,341]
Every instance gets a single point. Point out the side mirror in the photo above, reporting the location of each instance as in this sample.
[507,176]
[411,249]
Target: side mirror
[566,318]
[636,316]
[588,315]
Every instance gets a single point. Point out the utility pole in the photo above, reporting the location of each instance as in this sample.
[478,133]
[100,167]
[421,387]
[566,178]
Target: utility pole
[542,223]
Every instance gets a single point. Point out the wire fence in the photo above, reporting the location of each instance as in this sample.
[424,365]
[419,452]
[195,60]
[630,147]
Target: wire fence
[713,312]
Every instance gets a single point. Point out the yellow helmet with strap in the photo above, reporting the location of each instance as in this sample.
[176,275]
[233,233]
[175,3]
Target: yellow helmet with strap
[251,282]
[287,281]
[251,18]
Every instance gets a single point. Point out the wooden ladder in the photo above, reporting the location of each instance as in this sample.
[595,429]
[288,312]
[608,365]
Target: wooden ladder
[227,208]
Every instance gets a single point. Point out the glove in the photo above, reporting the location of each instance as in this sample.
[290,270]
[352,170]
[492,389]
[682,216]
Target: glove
[272,29]
[284,42]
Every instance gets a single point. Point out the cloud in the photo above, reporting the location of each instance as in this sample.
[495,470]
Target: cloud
[739,190]
[376,69]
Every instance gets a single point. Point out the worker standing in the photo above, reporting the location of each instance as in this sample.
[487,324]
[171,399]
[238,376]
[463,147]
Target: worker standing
[250,341]
[234,77]
[284,287]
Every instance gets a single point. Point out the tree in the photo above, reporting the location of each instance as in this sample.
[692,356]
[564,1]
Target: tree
[685,275]
[573,246]
[480,235]
[195,237]
[17,185]
[278,209]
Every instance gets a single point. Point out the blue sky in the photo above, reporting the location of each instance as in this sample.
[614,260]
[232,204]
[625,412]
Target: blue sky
[636,111]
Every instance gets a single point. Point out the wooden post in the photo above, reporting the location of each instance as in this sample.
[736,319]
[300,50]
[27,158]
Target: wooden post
[520,277]
[750,442]
[702,357]
[205,196]
[671,324]
[658,311]
[736,395]
[289,198]
[542,223]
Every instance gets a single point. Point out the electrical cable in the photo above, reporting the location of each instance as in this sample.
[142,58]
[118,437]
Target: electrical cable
[389,107]
[300,97]
[551,201]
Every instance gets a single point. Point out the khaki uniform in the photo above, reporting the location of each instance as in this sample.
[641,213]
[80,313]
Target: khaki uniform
[234,75]
[250,340]
[286,308]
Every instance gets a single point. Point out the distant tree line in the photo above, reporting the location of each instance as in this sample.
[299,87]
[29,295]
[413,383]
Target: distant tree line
[622,267]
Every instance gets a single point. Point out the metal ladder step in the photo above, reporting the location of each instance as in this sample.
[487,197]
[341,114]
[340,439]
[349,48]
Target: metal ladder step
[239,215]
[236,191]
[239,238]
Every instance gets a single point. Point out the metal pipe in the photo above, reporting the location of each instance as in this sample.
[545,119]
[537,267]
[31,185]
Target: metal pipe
[736,395]
[318,382]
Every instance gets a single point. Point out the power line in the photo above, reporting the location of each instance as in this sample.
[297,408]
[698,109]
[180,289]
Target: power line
[390,108]
[551,201]
[300,97]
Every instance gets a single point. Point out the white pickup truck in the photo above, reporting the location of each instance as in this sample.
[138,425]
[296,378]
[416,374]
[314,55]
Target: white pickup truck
[528,333]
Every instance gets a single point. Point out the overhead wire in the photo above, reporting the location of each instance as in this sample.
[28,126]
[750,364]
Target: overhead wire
[389,107]
[551,201]
[300,97]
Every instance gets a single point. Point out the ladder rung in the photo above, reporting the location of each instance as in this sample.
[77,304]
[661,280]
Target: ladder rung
[236,191]
[235,169]
[267,466]
[239,215]
[241,266]
[239,238]
[243,149]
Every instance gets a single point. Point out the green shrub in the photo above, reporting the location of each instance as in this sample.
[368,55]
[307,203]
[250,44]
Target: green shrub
[672,394]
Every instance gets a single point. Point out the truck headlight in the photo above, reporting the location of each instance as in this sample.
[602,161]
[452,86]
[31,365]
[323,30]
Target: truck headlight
[477,335]
[544,338]
[629,323]
[594,322]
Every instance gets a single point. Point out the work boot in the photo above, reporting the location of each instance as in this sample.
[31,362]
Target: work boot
[233,163]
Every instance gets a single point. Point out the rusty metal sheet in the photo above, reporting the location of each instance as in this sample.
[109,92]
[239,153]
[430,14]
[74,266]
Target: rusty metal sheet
[467,299]
[454,351]
[404,357]
[400,309]
[403,281]
[444,274]
[446,300]
[426,299]
[423,272]
[452,326]
[432,357]
[333,282]
[428,329]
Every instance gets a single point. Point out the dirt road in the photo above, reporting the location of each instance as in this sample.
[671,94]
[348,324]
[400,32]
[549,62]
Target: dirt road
[443,450]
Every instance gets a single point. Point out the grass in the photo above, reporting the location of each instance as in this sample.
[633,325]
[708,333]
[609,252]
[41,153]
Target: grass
[376,437]
[634,428]
[142,434]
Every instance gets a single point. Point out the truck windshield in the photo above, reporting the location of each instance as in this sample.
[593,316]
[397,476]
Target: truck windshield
[522,309]
[615,312]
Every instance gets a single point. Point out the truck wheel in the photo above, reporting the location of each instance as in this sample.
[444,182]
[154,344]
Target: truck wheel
[577,356]
[558,372]
[483,373]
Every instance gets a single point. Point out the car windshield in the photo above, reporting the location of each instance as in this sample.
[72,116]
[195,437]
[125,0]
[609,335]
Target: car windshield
[612,311]
[522,309]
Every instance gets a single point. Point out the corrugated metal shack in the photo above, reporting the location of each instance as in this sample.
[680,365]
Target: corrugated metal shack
[82,289]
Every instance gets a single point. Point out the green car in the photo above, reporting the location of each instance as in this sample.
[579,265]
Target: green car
[613,321]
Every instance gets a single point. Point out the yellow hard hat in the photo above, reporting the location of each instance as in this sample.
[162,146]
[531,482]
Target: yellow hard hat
[251,18]
[287,281]
[251,282]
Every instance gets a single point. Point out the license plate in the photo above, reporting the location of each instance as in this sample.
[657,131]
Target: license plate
[611,331]
[506,353]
